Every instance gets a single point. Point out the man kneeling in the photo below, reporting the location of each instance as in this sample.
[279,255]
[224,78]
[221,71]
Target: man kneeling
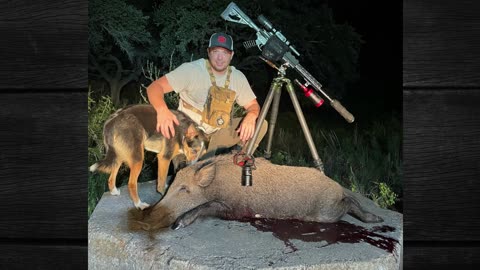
[208,89]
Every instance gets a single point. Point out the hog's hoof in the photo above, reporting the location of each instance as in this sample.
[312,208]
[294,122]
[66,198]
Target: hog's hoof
[141,205]
[115,192]
[371,218]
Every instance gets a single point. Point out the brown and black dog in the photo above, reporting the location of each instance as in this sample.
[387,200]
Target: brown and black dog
[130,130]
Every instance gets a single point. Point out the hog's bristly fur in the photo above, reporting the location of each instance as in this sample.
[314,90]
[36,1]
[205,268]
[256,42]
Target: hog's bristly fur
[213,188]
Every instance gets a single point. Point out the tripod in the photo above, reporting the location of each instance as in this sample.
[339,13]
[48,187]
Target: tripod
[274,95]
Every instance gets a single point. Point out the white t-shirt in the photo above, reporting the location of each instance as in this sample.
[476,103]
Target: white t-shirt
[192,81]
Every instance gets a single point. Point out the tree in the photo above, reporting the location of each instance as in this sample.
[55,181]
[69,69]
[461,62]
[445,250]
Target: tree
[117,38]
[122,37]
[185,28]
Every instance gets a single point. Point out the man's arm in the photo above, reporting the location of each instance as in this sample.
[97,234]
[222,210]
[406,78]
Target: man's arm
[247,127]
[165,118]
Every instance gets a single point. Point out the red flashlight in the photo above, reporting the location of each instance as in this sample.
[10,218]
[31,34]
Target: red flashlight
[310,93]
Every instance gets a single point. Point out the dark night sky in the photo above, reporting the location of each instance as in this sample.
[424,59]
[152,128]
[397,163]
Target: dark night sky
[380,24]
[379,88]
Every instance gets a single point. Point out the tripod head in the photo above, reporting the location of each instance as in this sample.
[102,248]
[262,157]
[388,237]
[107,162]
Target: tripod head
[275,47]
[318,101]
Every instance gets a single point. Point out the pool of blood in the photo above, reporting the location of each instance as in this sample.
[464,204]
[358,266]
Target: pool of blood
[331,233]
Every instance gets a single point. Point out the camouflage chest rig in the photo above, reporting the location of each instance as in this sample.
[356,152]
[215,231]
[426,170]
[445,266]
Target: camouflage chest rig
[217,111]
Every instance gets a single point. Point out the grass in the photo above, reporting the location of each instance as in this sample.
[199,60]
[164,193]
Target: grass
[97,185]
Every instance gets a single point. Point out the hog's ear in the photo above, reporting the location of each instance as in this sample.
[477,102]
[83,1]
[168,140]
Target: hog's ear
[191,132]
[205,175]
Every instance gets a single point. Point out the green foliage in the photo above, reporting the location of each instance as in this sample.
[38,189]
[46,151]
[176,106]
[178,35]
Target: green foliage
[98,112]
[285,158]
[97,185]
[116,23]
[238,111]
[184,26]
[119,42]
[385,197]
[172,100]
[152,73]
[362,157]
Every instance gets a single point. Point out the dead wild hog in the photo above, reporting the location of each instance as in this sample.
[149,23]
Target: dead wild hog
[212,188]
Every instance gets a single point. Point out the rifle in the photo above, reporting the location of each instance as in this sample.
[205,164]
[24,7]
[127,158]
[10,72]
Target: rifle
[275,47]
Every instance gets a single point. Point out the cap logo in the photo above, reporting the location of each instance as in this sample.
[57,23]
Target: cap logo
[221,39]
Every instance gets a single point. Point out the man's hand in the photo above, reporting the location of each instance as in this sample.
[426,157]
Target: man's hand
[247,127]
[165,120]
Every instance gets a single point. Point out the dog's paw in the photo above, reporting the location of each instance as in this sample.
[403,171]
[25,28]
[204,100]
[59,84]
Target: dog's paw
[161,194]
[115,192]
[160,190]
[141,205]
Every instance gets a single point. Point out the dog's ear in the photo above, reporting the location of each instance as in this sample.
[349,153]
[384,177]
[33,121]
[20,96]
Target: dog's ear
[191,132]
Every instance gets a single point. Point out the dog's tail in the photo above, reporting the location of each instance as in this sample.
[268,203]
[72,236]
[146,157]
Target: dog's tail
[106,164]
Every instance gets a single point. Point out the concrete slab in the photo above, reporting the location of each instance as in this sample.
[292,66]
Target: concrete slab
[219,244]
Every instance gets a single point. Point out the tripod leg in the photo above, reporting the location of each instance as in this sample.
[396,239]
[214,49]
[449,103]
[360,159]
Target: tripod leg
[273,120]
[303,123]
[263,113]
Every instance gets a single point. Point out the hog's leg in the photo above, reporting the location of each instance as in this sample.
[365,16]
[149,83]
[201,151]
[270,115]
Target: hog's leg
[357,211]
[212,208]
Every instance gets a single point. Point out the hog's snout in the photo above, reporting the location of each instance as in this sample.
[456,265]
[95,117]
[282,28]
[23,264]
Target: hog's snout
[153,218]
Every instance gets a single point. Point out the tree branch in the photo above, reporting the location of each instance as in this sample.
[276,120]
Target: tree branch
[118,73]
[101,70]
